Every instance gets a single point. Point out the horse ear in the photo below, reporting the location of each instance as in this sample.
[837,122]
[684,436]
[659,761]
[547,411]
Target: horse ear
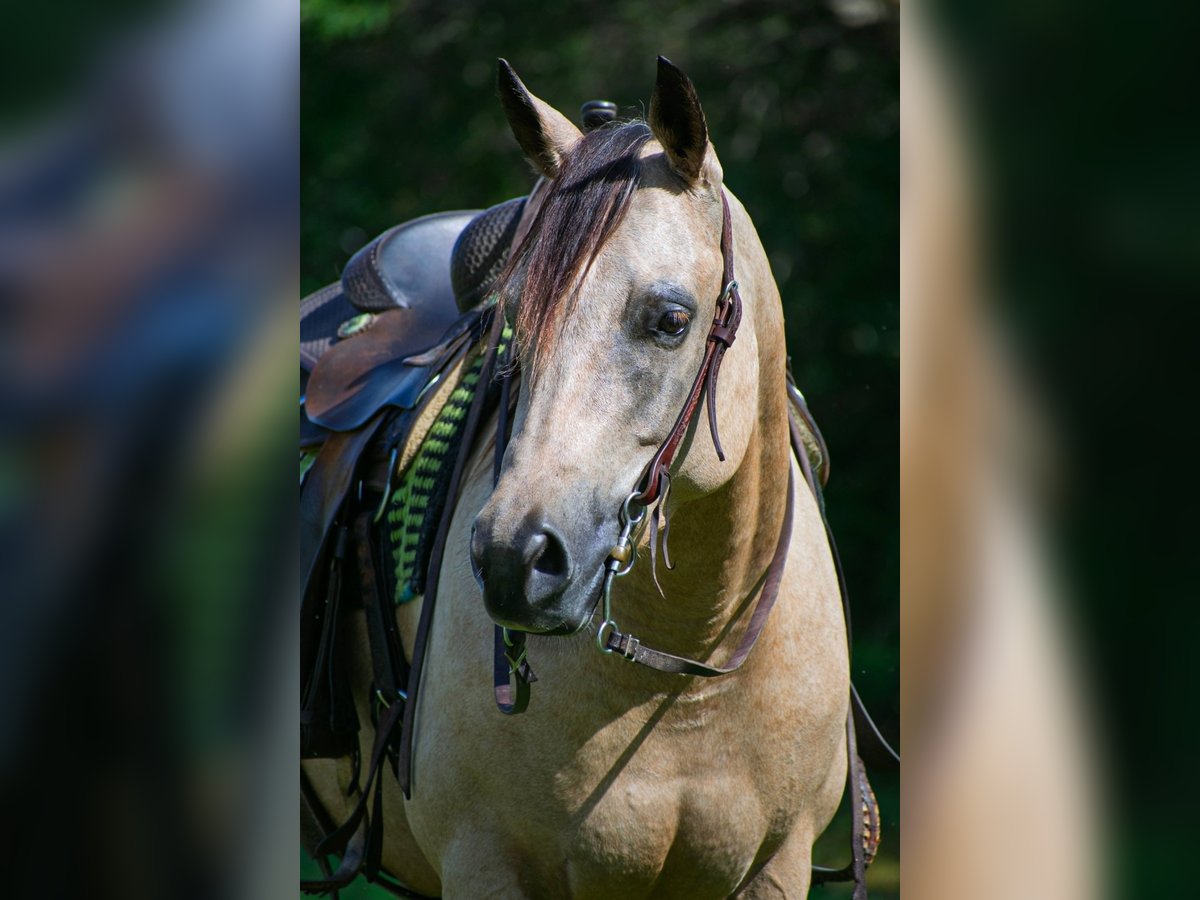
[545,134]
[678,122]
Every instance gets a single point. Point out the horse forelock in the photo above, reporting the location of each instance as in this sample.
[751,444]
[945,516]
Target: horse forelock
[584,205]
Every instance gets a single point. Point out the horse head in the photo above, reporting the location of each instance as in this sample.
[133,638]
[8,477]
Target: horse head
[612,294]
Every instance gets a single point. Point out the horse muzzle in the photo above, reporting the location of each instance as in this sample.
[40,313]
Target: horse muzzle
[525,575]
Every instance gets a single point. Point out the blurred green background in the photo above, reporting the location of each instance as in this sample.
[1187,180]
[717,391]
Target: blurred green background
[399,119]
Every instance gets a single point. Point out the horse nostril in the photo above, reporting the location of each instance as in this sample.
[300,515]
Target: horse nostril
[547,563]
[549,553]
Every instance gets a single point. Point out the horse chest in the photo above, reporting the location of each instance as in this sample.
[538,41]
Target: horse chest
[680,807]
[674,803]
[679,834]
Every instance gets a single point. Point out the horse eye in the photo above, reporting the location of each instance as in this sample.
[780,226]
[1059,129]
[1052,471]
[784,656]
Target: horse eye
[673,322]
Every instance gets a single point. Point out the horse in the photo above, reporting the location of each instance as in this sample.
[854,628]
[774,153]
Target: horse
[624,780]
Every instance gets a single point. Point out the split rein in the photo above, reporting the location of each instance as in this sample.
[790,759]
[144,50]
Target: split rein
[513,674]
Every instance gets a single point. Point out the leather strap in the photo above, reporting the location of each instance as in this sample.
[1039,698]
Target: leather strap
[864,823]
[511,674]
[328,719]
[875,748]
[727,318]
[388,669]
[314,825]
[359,846]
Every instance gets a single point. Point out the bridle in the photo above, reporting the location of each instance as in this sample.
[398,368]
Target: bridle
[512,671]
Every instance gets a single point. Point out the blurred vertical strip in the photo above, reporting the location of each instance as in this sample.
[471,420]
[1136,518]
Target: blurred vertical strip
[1050,270]
[148,260]
[1001,797]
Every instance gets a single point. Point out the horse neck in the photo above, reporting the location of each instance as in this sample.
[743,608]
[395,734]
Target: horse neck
[722,543]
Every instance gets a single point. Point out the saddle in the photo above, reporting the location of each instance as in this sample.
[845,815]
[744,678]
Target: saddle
[405,343]
[398,297]
[405,312]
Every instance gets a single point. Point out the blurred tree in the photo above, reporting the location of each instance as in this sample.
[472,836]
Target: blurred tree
[399,119]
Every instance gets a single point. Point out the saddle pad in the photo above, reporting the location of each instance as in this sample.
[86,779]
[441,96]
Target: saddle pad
[417,503]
